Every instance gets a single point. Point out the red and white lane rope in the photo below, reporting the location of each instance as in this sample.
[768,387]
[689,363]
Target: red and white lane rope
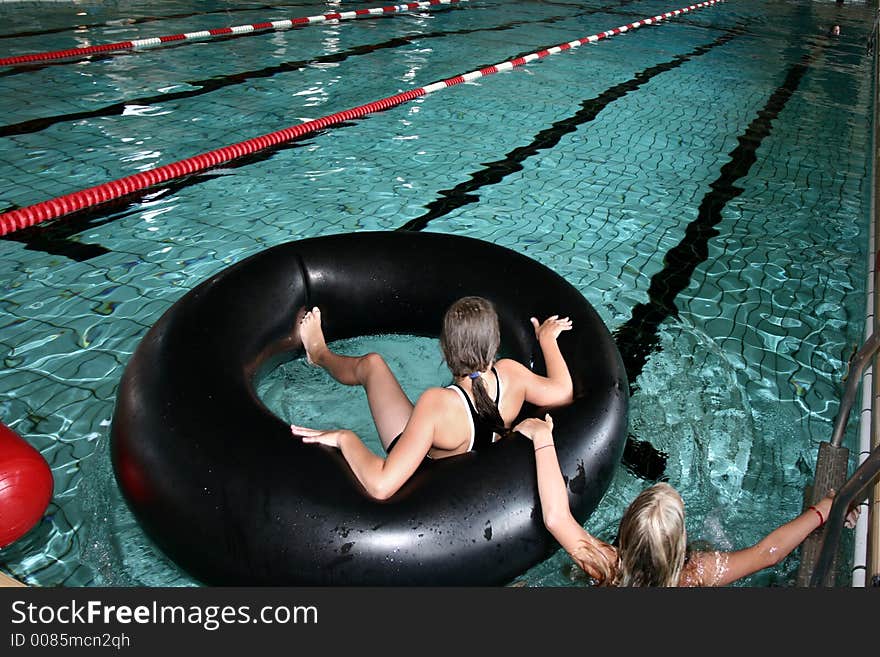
[63,205]
[144,44]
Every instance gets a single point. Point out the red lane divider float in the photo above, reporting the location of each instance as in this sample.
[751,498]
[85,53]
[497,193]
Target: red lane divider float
[143,44]
[63,205]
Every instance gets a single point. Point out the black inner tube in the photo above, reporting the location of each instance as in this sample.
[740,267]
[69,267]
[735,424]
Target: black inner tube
[221,486]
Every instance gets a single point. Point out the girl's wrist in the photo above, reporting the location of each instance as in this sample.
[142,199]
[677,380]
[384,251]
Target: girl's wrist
[344,436]
[819,514]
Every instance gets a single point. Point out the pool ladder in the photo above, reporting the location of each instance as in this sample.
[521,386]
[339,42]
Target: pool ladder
[819,551]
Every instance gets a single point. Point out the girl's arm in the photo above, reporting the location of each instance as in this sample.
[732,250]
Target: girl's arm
[596,558]
[720,569]
[382,477]
[555,388]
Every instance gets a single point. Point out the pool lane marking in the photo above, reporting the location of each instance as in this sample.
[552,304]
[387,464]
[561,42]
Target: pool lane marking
[200,87]
[54,238]
[494,172]
[78,28]
[202,35]
[639,336]
[63,205]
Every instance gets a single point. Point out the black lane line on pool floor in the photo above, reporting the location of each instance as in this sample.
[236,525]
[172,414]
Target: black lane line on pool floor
[638,337]
[61,237]
[201,87]
[122,21]
[494,172]
[54,237]
[19,69]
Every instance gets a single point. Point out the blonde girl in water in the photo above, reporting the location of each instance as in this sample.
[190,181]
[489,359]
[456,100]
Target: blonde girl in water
[485,397]
[651,547]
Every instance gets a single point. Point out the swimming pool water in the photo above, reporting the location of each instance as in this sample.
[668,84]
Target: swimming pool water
[703,182]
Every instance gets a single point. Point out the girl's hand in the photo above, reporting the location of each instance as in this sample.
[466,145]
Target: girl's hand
[852,515]
[533,428]
[330,438]
[551,327]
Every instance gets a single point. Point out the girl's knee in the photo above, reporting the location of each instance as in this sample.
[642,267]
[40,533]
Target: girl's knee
[369,364]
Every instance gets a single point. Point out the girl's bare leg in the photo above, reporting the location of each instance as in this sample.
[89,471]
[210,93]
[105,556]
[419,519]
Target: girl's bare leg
[389,405]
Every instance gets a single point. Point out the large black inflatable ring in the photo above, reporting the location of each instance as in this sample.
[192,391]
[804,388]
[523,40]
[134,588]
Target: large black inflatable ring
[220,485]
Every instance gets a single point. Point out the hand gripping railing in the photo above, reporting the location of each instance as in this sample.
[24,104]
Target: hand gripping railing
[831,472]
[852,490]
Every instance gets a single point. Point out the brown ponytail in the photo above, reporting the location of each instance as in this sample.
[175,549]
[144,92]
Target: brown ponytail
[469,341]
[485,407]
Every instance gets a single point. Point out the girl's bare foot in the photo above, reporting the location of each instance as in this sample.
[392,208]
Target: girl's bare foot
[312,336]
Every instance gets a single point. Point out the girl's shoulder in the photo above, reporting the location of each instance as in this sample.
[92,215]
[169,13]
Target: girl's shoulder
[703,568]
[510,366]
[513,372]
[437,396]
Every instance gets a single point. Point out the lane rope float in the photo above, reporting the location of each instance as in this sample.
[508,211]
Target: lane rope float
[202,35]
[31,215]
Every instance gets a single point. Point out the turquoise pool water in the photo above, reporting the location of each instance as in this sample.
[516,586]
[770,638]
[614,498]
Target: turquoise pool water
[704,182]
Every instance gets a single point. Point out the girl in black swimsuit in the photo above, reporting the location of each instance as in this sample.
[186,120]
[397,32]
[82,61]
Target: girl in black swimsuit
[444,421]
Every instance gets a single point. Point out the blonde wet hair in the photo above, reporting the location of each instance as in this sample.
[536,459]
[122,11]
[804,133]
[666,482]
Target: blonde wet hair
[652,540]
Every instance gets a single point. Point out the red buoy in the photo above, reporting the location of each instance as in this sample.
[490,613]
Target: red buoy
[25,486]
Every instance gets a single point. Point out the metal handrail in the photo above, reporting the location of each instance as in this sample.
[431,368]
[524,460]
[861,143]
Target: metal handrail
[851,491]
[857,365]
[869,471]
[831,470]
[870,525]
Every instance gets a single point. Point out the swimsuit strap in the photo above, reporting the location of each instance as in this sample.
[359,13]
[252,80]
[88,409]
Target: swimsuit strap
[468,399]
[472,413]
[486,434]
